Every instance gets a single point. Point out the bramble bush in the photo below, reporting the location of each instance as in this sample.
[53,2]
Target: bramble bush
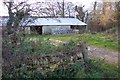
[33,48]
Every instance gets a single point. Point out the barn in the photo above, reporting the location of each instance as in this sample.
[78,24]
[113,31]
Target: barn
[50,25]
[56,25]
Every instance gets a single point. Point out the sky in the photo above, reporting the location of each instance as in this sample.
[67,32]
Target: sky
[87,3]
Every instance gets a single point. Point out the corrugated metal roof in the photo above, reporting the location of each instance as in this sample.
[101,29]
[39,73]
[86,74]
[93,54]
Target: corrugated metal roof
[56,21]
[47,21]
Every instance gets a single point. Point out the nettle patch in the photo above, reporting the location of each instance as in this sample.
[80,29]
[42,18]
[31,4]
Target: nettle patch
[48,55]
[68,53]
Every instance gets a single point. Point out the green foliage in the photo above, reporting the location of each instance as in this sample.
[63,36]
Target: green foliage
[42,45]
[96,69]
[69,46]
[98,40]
[62,73]
[22,73]
[33,46]
[101,41]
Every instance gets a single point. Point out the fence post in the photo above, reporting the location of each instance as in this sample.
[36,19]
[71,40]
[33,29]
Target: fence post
[85,52]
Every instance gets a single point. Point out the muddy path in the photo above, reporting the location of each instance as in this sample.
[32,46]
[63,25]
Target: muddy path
[101,53]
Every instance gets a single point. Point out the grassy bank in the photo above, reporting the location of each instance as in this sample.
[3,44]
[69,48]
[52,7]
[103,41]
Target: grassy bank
[97,40]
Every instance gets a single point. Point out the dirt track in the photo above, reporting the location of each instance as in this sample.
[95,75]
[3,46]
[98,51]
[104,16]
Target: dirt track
[101,53]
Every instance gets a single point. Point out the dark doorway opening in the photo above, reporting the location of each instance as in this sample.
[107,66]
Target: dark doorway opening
[37,29]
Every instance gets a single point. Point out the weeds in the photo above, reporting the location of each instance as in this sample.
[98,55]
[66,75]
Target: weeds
[66,68]
[70,71]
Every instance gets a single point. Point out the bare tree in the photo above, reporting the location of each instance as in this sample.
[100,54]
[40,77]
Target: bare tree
[102,16]
[69,9]
[81,12]
[63,9]
[118,11]
[17,13]
[55,9]
[118,16]
[95,5]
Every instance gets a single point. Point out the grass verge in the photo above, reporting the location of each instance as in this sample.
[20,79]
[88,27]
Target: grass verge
[97,40]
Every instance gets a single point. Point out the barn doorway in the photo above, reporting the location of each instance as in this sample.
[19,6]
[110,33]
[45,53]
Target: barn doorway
[37,29]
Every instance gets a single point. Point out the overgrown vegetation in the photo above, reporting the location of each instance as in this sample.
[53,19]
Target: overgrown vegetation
[97,69]
[41,58]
